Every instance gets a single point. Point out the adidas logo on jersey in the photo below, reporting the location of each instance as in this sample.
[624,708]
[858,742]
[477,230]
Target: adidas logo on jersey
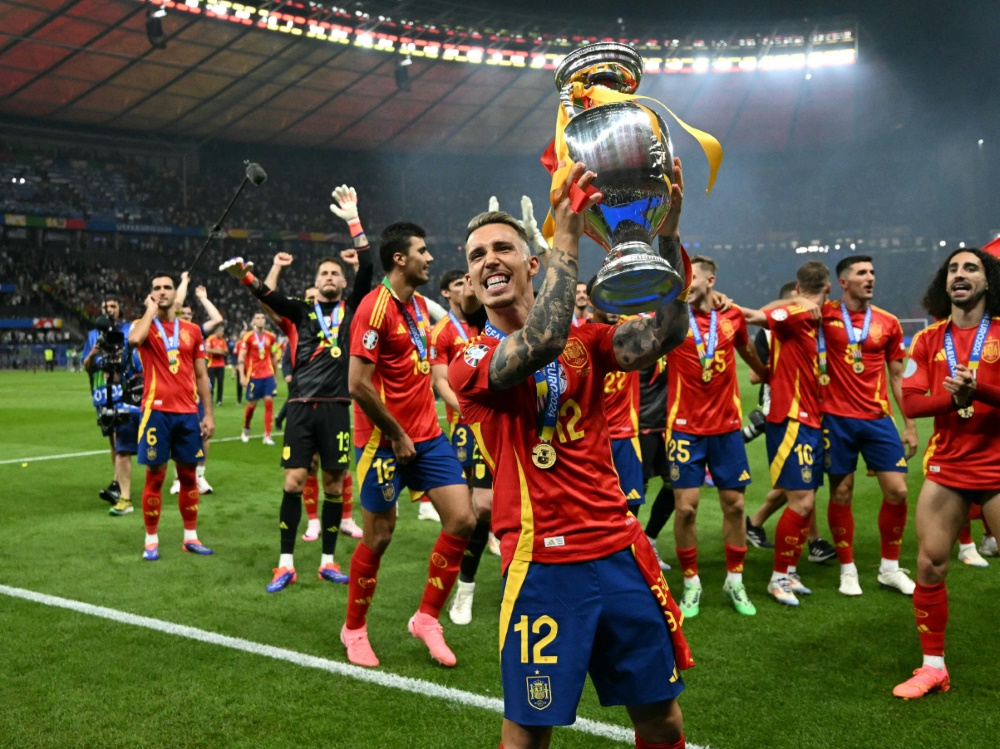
[745,476]
[633,495]
[401,330]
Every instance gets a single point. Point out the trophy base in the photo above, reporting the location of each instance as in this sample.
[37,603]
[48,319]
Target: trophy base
[633,279]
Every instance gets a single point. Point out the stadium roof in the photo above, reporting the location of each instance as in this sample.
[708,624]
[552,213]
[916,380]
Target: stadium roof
[283,77]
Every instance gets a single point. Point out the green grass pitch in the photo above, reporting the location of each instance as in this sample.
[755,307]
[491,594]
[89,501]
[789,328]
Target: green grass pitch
[820,676]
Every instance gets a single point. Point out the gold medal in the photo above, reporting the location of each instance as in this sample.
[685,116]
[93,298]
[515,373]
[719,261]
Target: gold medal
[335,352]
[424,367]
[706,375]
[858,367]
[968,412]
[175,366]
[824,379]
[543,455]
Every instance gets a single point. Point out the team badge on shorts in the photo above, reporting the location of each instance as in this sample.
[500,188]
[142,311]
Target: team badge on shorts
[369,340]
[151,453]
[462,454]
[474,354]
[388,493]
[539,692]
[807,474]
[675,473]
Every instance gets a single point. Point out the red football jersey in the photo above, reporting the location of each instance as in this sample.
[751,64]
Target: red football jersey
[794,368]
[380,334]
[962,453]
[258,357]
[446,343]
[163,390]
[216,341]
[573,511]
[706,408]
[862,395]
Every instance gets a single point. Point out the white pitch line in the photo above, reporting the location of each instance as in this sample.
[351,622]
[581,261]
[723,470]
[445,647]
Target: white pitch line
[105,451]
[379,678]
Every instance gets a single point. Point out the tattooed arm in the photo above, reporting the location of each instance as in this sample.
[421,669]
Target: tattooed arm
[544,334]
[640,342]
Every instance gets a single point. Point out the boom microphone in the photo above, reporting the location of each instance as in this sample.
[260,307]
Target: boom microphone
[254,173]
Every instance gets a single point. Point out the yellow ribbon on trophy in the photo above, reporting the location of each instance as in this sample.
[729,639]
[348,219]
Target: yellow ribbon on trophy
[600,95]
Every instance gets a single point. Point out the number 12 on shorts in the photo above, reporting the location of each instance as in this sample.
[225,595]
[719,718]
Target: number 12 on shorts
[538,656]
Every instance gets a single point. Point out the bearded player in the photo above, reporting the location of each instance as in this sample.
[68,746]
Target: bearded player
[953,375]
[173,361]
[532,386]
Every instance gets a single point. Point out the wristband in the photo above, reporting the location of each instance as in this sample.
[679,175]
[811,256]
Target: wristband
[248,279]
[354,226]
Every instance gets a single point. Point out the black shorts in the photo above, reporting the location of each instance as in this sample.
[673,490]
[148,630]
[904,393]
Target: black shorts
[313,427]
[654,455]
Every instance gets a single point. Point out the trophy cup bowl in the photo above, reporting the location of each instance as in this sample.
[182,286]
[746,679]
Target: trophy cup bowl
[618,141]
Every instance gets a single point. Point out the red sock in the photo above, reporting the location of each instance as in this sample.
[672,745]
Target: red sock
[361,587]
[348,495]
[789,539]
[187,499]
[841,520]
[930,604]
[151,500]
[248,414]
[735,556]
[442,571]
[975,512]
[310,497]
[689,561]
[891,524]
[268,416]
[679,744]
[965,535]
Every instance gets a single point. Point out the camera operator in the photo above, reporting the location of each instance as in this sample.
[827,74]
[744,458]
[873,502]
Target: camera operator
[111,365]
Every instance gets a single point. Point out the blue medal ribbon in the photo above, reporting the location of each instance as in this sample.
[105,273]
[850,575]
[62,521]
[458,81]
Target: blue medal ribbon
[458,326]
[170,343]
[977,345]
[260,345]
[331,331]
[706,352]
[855,344]
[417,334]
[546,390]
[821,350]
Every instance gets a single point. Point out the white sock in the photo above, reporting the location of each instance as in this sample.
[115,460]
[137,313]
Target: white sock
[285,560]
[934,661]
[966,547]
[775,576]
[313,524]
[190,535]
[693,580]
[325,559]
[152,539]
[848,568]
[791,569]
[466,586]
[888,565]
[200,471]
[734,577]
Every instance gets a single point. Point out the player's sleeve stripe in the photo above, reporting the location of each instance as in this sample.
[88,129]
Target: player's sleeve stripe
[518,569]
[784,450]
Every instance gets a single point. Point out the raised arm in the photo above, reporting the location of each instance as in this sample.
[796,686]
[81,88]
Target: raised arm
[345,207]
[281,261]
[182,290]
[214,316]
[546,330]
[294,309]
[641,341]
[139,331]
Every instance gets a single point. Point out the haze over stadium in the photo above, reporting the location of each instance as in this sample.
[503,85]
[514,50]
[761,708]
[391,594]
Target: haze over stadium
[848,129]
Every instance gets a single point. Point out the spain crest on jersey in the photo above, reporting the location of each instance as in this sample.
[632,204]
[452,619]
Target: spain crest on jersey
[539,692]
[991,351]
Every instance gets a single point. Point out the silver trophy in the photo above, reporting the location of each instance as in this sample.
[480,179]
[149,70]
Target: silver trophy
[619,143]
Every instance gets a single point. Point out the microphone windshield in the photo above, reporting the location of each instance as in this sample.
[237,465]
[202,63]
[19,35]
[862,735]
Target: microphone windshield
[256,173]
